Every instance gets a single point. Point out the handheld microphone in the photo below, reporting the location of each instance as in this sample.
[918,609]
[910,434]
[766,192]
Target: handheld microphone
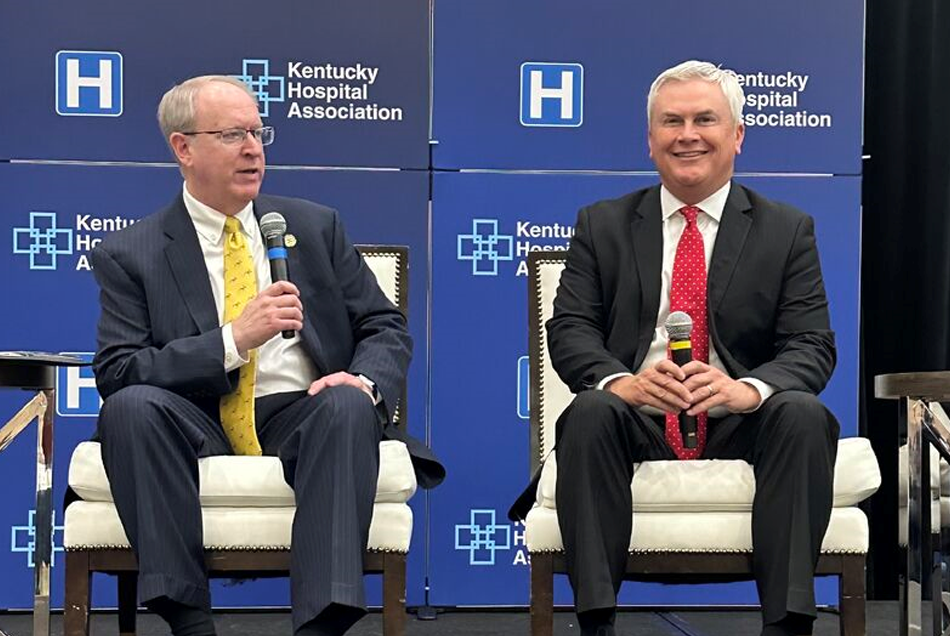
[678,328]
[273,227]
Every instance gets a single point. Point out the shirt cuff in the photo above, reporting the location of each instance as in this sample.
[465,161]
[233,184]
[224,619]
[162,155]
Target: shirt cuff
[372,388]
[232,359]
[610,378]
[765,391]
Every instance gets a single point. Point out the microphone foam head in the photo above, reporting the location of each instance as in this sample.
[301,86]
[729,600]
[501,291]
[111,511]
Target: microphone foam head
[273,225]
[679,325]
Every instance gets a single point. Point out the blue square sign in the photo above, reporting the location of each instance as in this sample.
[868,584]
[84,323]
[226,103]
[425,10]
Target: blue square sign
[89,83]
[552,94]
[524,388]
[76,392]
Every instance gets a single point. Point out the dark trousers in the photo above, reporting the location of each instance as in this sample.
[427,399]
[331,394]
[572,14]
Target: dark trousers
[791,442]
[328,445]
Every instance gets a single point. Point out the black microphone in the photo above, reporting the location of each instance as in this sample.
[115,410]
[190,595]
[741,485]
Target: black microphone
[273,227]
[678,327]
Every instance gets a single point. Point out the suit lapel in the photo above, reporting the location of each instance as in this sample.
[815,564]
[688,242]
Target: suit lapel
[647,232]
[733,230]
[187,264]
[297,268]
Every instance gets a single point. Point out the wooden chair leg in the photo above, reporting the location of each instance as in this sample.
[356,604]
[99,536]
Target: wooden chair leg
[542,594]
[128,602]
[851,595]
[394,594]
[76,601]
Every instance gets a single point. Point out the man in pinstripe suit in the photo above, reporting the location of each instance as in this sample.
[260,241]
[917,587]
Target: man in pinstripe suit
[166,357]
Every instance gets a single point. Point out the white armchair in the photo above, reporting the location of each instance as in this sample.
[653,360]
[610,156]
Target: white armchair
[247,510]
[670,497]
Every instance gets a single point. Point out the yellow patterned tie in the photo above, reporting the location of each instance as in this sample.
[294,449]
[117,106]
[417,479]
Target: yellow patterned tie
[240,286]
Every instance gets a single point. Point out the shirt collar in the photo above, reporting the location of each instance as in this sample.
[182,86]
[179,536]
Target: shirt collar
[209,223]
[713,205]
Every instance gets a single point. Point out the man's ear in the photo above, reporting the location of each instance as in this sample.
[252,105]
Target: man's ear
[740,137]
[181,146]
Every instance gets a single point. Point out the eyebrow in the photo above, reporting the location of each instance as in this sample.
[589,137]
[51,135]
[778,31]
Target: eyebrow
[703,113]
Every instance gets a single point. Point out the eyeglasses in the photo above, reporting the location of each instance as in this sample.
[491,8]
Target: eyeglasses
[234,136]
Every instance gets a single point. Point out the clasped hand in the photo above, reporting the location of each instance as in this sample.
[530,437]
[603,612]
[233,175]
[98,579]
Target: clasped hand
[695,387]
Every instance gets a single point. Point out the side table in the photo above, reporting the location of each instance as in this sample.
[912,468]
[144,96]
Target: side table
[34,371]
[916,391]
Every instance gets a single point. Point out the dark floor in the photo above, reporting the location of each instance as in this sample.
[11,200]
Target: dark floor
[881,615]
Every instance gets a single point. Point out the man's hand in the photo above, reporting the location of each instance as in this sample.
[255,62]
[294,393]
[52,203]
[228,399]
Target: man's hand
[711,387]
[660,386]
[275,309]
[340,378]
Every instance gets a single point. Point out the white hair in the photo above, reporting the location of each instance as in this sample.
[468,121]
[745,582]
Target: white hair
[693,69]
[176,111]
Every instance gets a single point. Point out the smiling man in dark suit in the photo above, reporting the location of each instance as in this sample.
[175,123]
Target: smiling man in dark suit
[746,270]
[191,363]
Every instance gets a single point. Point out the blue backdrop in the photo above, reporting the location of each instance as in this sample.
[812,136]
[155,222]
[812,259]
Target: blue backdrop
[481,96]
[370,55]
[530,110]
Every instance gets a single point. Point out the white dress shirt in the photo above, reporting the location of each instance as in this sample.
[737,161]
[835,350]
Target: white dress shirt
[673,225]
[282,365]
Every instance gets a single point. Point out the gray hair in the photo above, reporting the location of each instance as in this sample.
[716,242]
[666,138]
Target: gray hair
[693,69]
[176,111]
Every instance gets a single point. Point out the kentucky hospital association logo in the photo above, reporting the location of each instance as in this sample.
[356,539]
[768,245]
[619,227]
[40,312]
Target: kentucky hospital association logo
[320,90]
[485,247]
[50,245]
[266,87]
[89,83]
[43,240]
[482,537]
[552,94]
[23,539]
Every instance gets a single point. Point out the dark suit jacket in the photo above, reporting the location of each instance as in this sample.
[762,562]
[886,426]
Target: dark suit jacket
[767,310]
[159,325]
[768,314]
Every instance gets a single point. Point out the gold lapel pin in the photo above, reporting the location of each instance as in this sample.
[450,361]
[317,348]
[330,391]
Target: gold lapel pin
[290,240]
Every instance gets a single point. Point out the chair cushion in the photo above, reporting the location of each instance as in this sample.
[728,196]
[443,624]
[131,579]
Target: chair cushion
[231,481]
[96,525]
[724,485]
[721,532]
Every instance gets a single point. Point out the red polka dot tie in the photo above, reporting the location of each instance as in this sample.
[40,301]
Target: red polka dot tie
[688,293]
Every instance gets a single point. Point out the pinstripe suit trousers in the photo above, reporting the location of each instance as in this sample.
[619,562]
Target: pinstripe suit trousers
[329,447]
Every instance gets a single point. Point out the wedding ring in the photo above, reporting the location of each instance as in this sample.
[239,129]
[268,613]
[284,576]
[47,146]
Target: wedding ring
[710,389]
